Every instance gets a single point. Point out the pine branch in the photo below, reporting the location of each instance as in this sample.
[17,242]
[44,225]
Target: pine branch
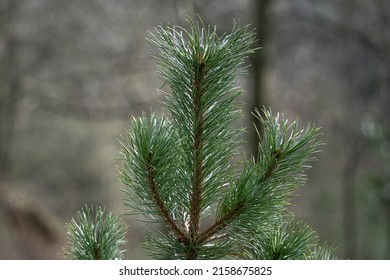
[202,107]
[149,171]
[265,187]
[152,184]
[95,236]
[291,241]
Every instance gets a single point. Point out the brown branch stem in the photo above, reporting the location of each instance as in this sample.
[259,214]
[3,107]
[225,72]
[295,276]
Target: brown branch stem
[224,221]
[152,184]
[220,224]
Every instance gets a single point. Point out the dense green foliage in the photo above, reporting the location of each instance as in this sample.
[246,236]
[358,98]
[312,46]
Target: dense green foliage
[182,169]
[95,236]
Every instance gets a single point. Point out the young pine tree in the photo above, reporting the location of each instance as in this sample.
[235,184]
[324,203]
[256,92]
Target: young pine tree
[182,169]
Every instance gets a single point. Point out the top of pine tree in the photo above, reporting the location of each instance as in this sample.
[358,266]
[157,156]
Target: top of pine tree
[179,169]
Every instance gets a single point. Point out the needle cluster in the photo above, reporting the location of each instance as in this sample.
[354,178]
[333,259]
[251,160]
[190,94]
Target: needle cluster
[93,235]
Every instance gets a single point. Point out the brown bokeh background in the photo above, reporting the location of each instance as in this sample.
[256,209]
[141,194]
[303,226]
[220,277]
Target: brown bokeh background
[72,73]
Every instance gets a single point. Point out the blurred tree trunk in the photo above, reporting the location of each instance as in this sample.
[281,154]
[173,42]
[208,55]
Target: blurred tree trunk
[9,86]
[261,8]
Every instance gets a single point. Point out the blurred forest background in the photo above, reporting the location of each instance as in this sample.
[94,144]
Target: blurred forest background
[73,72]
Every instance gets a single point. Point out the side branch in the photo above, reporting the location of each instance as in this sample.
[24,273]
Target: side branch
[220,224]
[152,184]
[225,220]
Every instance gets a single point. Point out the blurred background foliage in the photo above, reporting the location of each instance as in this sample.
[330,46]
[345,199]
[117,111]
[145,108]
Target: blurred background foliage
[73,72]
